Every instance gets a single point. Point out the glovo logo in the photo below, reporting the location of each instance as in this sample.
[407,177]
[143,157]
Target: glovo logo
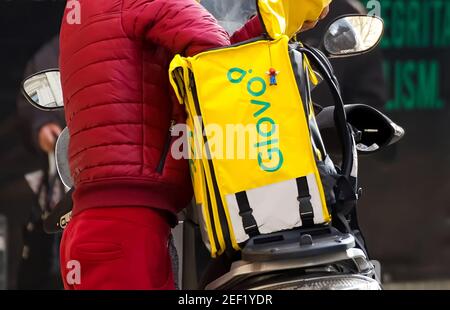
[270,157]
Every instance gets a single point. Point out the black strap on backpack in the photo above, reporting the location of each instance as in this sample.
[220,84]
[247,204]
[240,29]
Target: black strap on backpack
[246,212]
[304,199]
[340,118]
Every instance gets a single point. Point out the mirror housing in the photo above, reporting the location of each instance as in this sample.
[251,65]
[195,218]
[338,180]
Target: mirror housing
[353,34]
[373,130]
[43,90]
[62,158]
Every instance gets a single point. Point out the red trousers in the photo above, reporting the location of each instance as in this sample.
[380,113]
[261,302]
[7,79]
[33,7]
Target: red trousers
[117,248]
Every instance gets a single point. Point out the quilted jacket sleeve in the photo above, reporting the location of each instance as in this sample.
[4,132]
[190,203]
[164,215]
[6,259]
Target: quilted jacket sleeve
[181,26]
[250,30]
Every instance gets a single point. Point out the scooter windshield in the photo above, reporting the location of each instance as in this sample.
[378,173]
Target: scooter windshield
[231,14]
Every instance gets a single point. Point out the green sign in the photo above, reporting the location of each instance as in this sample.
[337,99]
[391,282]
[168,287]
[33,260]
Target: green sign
[416,44]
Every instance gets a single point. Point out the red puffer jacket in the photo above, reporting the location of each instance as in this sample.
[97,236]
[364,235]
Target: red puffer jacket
[118,101]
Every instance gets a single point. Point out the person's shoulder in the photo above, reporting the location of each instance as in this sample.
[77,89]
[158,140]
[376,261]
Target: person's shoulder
[50,46]
[47,56]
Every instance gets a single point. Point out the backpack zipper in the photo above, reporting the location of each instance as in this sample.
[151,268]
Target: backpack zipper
[166,149]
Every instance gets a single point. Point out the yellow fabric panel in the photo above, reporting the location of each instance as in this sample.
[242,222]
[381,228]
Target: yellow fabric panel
[179,79]
[224,102]
[201,177]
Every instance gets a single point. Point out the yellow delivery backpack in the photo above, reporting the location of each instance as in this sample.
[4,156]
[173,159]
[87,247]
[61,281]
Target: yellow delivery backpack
[252,158]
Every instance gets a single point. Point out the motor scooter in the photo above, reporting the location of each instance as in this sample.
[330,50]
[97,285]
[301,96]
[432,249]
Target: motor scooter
[330,256]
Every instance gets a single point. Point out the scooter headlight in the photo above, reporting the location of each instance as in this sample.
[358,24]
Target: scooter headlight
[340,282]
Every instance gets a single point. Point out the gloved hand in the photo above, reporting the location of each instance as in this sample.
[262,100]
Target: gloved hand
[288,17]
[311,24]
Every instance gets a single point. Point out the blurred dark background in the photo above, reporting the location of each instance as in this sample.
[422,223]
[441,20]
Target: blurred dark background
[405,209]
[24,26]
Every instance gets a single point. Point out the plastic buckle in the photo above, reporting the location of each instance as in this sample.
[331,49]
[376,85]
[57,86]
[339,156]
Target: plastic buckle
[306,209]
[249,222]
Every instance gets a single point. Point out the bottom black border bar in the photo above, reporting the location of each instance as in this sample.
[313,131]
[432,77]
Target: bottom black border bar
[218,299]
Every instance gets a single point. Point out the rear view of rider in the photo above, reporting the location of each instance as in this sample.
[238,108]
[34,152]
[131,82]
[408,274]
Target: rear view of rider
[119,109]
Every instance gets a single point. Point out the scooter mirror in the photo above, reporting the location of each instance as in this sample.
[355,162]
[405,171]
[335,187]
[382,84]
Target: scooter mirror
[354,34]
[43,90]
[373,130]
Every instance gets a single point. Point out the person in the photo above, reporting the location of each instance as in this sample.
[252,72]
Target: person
[40,265]
[119,110]
[41,128]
